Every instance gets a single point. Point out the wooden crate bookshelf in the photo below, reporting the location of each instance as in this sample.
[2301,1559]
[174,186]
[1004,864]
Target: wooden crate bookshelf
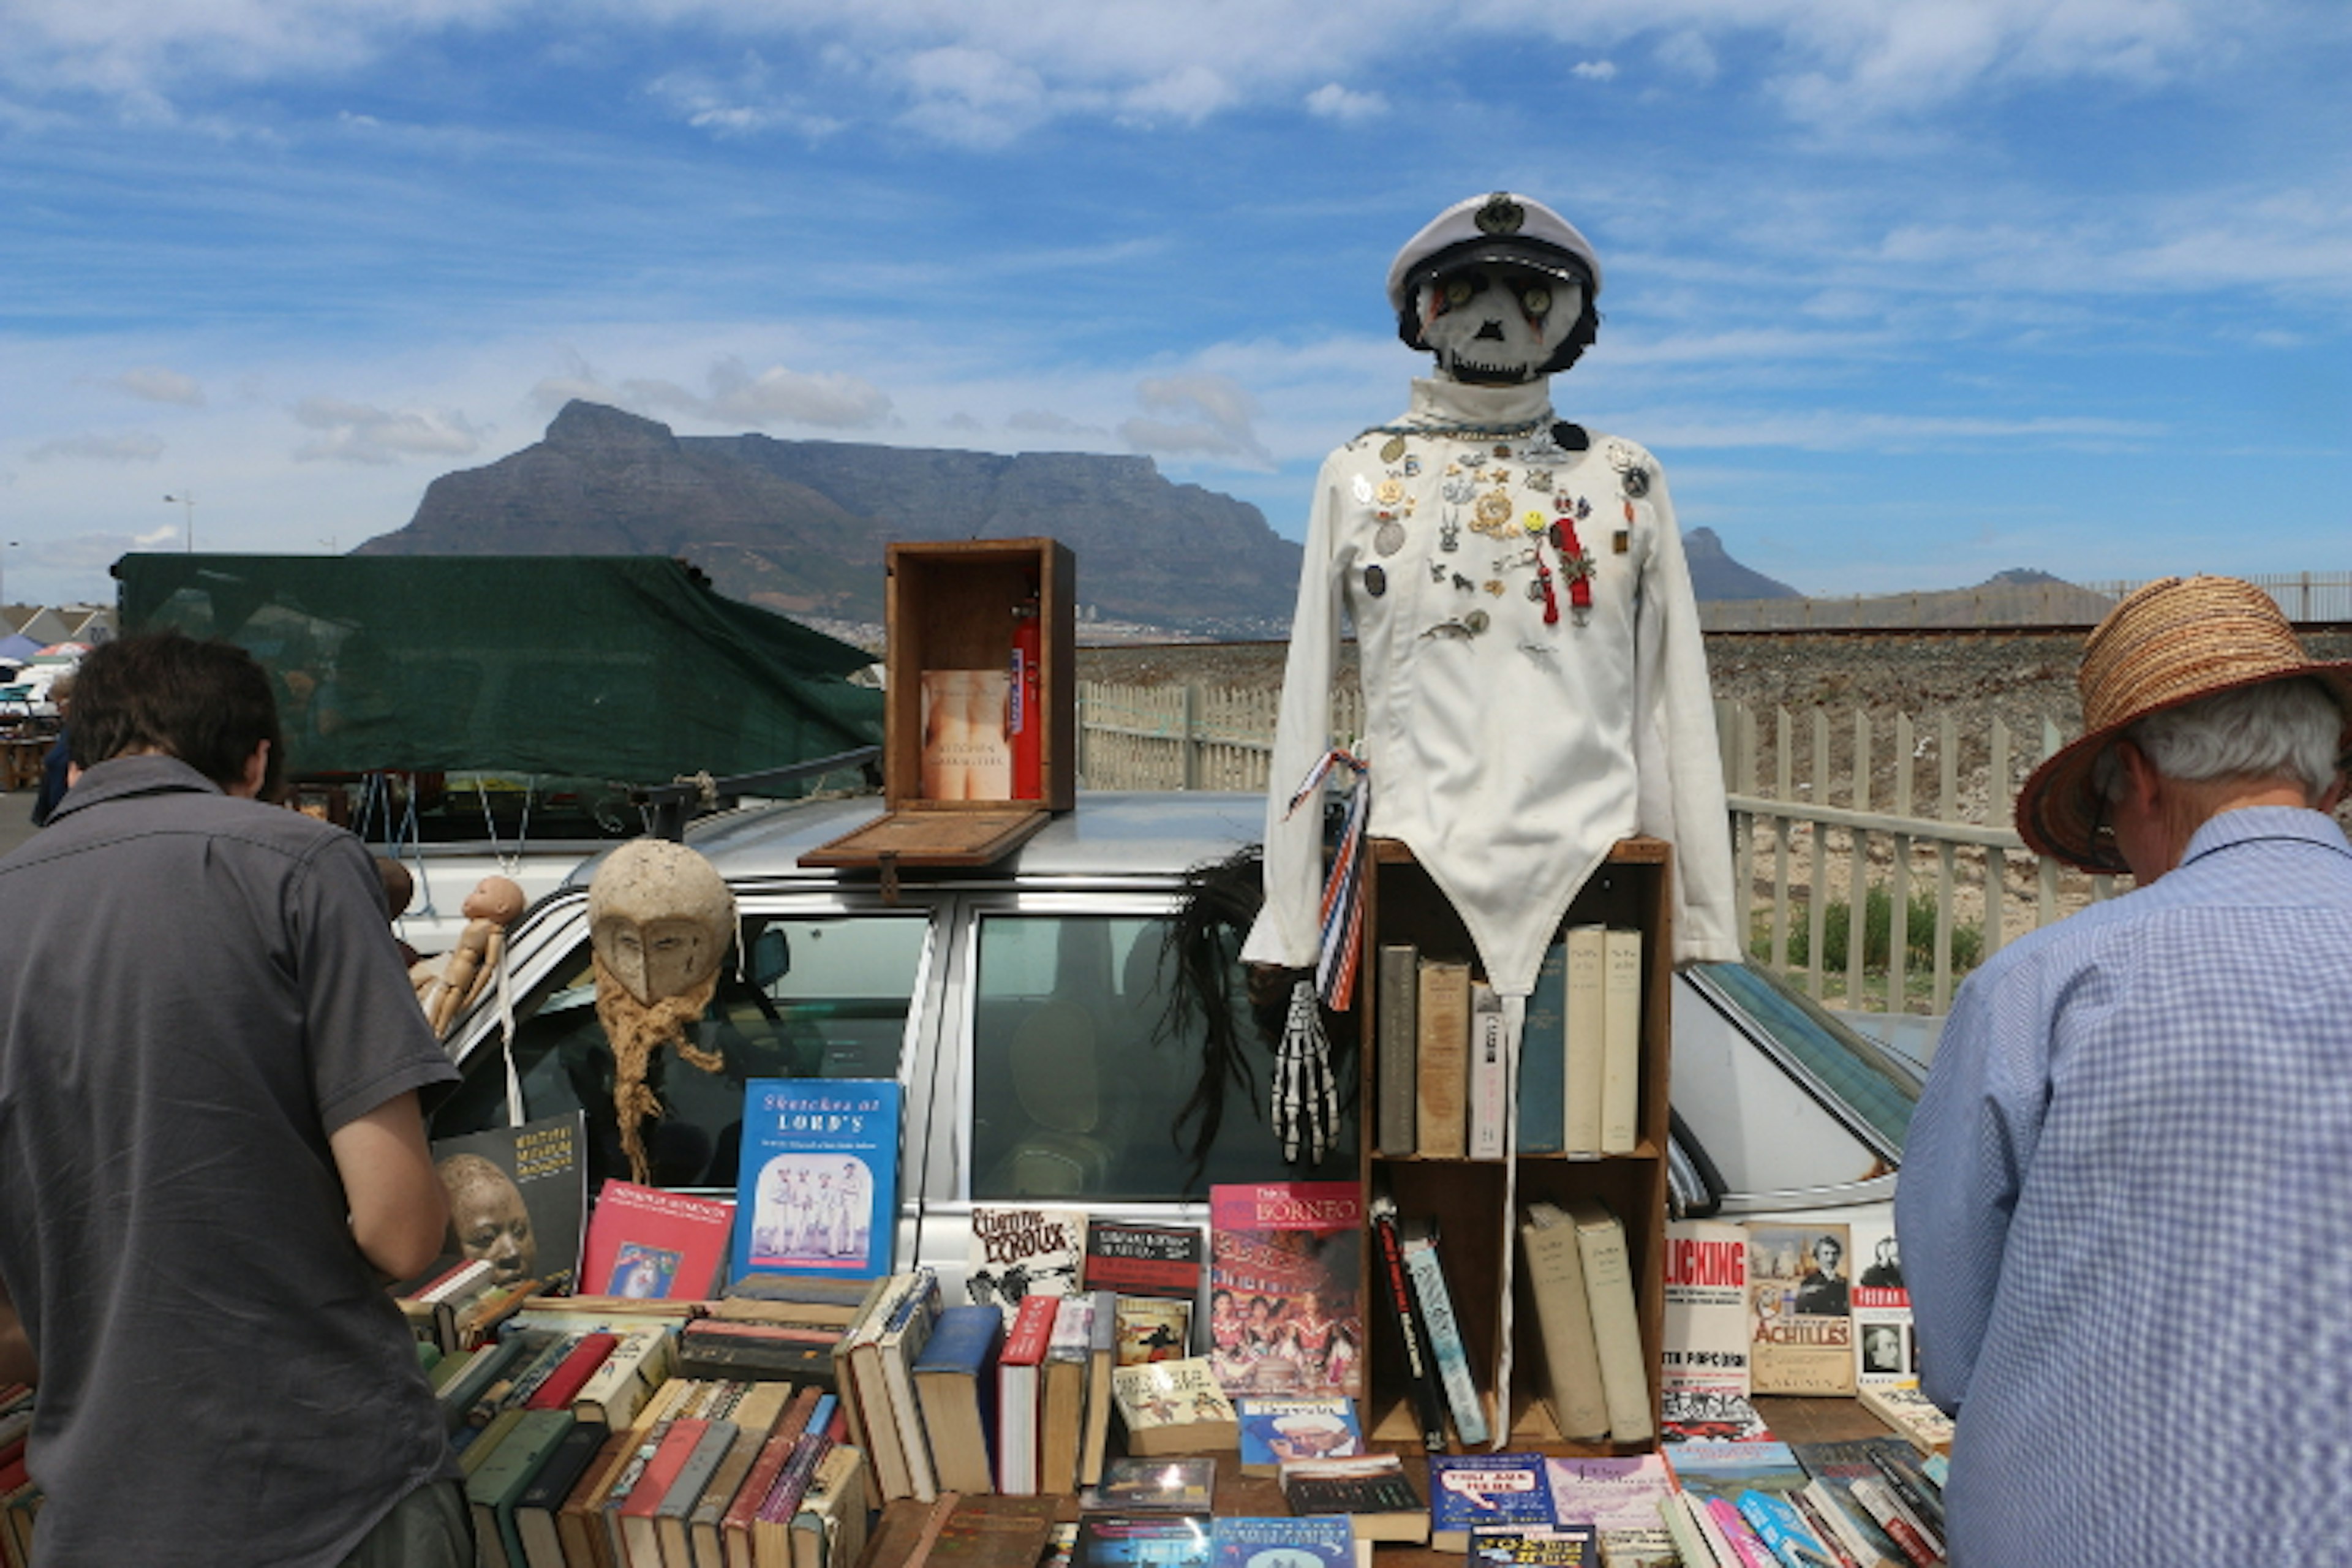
[1465,1198]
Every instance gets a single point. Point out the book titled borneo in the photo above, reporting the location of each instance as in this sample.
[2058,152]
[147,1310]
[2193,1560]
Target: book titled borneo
[1285,1316]
[818,1190]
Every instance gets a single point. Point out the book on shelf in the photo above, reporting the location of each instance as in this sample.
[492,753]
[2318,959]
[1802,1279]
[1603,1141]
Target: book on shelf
[535,1507]
[496,1483]
[474,1373]
[1583,1040]
[1151,1328]
[1607,1274]
[1621,1041]
[1442,1059]
[817,1187]
[1397,1076]
[1143,1541]
[1490,1073]
[585,1352]
[771,1476]
[1885,1509]
[673,1514]
[755,1416]
[1800,1323]
[966,750]
[1833,1468]
[1543,1044]
[1061,1403]
[652,1244]
[1898,1462]
[1552,1280]
[1467,1491]
[1021,1373]
[584,1523]
[1015,1253]
[641,1363]
[769,1530]
[1371,1490]
[632,1515]
[956,1383]
[1312,1542]
[1284,1262]
[1404,1314]
[1617,1496]
[1884,1350]
[865,1388]
[518,1197]
[1275,1429]
[1174,1408]
[1697,1542]
[1442,1331]
[1134,1485]
[1704,1343]
[1556,1546]
[904,1336]
[733,1348]
[829,1528]
[1102,1360]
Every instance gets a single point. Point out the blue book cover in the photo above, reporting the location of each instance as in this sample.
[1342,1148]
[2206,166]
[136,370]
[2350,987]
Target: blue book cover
[1276,1430]
[1484,1491]
[1543,1057]
[1324,1540]
[818,1189]
[1444,1333]
[964,1341]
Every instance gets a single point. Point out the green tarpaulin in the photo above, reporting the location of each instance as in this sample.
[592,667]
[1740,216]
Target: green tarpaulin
[625,668]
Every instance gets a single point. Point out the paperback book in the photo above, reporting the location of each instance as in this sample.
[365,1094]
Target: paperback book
[1143,1541]
[1275,1430]
[518,1197]
[648,1243]
[1153,1329]
[1016,1253]
[1884,1349]
[1474,1492]
[1140,1486]
[1563,1546]
[1800,1322]
[967,753]
[819,1185]
[1174,1408]
[1372,1489]
[1702,1354]
[1619,1497]
[1155,1272]
[1285,1312]
[1316,1542]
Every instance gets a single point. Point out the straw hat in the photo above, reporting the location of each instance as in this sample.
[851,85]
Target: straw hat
[2170,642]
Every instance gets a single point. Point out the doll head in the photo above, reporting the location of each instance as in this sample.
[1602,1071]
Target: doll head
[1500,288]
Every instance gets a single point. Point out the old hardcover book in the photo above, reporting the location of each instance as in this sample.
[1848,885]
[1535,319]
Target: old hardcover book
[1585,1039]
[1472,1491]
[1800,1323]
[1102,1360]
[1621,1041]
[755,1418]
[902,1343]
[1442,1052]
[536,1509]
[1616,1322]
[498,1483]
[640,1544]
[1399,1030]
[1423,1265]
[650,1243]
[967,753]
[1062,1407]
[728,1348]
[1174,1408]
[1703,1357]
[760,1481]
[1021,1252]
[866,1391]
[1284,1262]
[994,1532]
[1543,1042]
[1553,1281]
[674,1515]
[829,1530]
[1490,1073]
[617,1389]
[1911,1413]
[956,1381]
[1020,1372]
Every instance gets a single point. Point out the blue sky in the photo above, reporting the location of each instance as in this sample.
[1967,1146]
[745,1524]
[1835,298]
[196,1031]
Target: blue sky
[1903,292]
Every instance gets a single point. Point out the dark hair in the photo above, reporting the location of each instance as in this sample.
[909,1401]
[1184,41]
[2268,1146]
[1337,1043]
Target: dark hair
[207,703]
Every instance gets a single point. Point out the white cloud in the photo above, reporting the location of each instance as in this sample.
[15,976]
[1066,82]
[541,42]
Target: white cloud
[1222,412]
[835,400]
[153,384]
[119,446]
[1594,71]
[359,432]
[1332,101]
[1043,422]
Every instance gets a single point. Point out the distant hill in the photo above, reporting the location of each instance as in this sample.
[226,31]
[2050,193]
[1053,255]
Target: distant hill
[799,526]
[1716,576]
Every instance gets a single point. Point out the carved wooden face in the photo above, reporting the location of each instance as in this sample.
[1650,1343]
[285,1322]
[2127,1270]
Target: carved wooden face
[660,918]
[1496,324]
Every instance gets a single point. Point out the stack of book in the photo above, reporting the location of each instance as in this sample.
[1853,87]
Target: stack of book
[1872,1502]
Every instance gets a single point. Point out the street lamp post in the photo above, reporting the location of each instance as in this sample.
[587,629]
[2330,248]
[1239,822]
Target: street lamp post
[6,547]
[187,499]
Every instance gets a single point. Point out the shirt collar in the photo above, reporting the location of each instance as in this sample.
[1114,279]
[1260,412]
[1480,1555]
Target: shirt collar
[1459,403]
[119,778]
[2248,824]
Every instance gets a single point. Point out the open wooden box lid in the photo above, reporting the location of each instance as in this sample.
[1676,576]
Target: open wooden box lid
[950,606]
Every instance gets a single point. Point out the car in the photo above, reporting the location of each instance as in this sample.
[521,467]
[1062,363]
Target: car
[1024,1010]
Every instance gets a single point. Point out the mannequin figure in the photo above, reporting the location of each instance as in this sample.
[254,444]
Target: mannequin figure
[661,921]
[447,985]
[1533,684]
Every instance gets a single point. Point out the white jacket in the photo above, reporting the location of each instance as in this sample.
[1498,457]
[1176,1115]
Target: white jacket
[1507,753]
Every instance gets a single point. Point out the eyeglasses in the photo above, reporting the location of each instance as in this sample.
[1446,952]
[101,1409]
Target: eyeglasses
[1456,290]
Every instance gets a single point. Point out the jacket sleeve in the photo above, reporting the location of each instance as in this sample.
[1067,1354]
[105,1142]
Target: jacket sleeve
[1288,927]
[1678,767]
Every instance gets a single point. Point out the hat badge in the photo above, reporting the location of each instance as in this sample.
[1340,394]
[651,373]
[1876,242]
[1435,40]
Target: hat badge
[1501,216]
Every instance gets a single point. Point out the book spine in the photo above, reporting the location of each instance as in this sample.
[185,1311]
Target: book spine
[1423,1386]
[1585,1029]
[1909,1486]
[1489,1072]
[1886,1509]
[1691,1543]
[1823,1527]
[1445,1339]
[1542,1038]
[1443,1049]
[1616,1324]
[1399,1025]
[1842,1520]
[1555,1279]
[1620,1042]
[1783,1529]
[1747,1548]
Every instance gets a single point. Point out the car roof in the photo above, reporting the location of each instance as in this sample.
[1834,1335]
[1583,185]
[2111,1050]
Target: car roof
[1111,835]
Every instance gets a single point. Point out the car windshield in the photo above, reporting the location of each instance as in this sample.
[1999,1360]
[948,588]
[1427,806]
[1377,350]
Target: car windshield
[1869,1080]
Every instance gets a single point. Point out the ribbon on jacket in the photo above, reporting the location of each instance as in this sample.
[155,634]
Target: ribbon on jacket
[1341,943]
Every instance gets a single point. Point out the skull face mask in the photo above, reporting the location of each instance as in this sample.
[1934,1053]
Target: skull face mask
[1497,324]
[660,920]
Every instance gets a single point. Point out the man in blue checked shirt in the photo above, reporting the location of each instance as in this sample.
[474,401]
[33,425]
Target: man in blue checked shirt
[2128,1185]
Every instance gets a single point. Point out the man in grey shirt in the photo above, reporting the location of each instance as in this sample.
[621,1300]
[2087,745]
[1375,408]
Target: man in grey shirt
[211,1154]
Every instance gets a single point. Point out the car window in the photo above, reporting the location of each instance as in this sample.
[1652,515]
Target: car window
[1079,1079]
[817,995]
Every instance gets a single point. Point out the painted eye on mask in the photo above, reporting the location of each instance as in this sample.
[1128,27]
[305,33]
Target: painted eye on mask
[1461,288]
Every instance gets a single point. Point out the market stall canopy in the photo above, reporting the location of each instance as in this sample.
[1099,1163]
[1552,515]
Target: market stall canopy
[626,669]
[16,648]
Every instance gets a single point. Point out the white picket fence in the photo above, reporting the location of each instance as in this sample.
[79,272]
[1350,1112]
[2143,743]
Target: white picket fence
[1824,807]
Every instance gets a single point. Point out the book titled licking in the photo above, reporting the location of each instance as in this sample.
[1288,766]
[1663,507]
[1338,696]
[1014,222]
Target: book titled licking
[1285,1317]
[818,1186]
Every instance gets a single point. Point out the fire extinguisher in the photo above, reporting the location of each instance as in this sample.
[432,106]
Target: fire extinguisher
[1026,714]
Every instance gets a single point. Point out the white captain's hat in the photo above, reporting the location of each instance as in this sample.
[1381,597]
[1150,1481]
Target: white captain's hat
[1500,228]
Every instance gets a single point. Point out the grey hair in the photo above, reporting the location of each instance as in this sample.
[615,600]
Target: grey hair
[2277,729]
